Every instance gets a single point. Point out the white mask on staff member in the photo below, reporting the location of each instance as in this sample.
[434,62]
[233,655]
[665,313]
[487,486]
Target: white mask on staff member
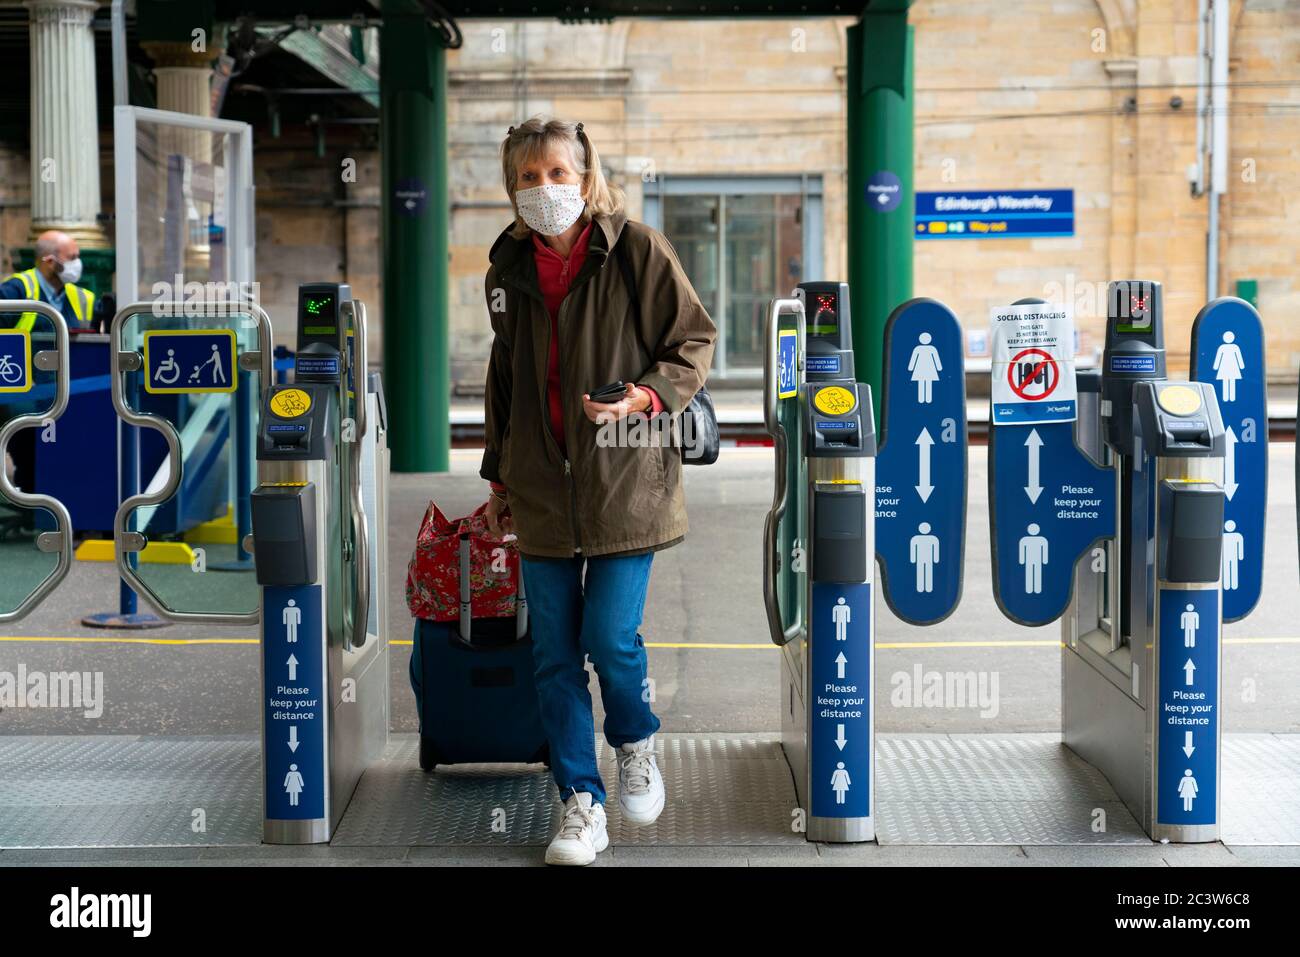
[551,208]
[71,270]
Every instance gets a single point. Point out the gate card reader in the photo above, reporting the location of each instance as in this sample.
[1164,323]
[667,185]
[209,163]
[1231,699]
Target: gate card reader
[838,420]
[284,549]
[1179,419]
[828,347]
[293,422]
[1135,352]
[322,332]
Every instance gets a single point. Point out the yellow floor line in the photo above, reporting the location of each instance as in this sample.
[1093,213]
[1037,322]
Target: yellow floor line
[94,639]
[672,645]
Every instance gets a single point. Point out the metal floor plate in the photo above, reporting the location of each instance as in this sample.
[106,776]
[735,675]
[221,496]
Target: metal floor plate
[726,790]
[122,791]
[1261,789]
[994,789]
[65,792]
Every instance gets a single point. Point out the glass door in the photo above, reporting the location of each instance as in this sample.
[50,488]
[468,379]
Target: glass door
[741,242]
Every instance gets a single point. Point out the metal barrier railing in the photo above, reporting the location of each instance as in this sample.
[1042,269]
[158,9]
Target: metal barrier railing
[59,541]
[122,361]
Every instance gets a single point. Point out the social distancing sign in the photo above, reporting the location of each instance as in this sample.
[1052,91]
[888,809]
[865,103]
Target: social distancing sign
[1033,365]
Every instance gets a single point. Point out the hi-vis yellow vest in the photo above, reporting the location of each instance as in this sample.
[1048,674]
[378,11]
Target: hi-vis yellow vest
[83,300]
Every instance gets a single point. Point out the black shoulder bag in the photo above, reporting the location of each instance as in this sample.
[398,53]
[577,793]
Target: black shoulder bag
[699,425]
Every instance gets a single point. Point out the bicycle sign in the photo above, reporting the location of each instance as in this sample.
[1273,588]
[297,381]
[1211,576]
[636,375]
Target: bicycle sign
[189,360]
[15,360]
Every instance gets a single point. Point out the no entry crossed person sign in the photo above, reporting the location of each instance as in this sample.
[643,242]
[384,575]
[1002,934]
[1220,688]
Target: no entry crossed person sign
[1033,364]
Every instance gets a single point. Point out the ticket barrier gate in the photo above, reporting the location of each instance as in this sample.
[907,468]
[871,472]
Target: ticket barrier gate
[1116,523]
[319,521]
[827,655]
[843,501]
[1140,685]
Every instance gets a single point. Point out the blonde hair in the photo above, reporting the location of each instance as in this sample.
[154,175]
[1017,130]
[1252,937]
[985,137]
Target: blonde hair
[537,137]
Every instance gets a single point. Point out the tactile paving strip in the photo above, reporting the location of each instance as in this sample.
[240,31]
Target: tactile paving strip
[994,789]
[111,791]
[723,790]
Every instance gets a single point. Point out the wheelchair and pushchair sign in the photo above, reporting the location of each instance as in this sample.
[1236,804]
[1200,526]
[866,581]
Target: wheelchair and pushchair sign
[15,360]
[178,361]
[787,364]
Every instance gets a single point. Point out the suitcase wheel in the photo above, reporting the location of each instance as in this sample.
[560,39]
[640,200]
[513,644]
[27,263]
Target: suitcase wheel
[428,754]
[542,755]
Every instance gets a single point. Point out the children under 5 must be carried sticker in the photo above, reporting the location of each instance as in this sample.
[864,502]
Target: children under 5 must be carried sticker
[1033,364]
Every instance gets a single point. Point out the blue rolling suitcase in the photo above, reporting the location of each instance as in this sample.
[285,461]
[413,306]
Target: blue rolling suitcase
[474,687]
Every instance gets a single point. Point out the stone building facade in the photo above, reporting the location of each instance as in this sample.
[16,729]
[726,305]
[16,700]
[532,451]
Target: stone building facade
[730,136]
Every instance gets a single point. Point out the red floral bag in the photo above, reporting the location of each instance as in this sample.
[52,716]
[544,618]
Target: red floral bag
[433,574]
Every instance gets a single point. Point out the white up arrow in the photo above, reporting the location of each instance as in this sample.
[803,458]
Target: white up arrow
[840,662]
[293,668]
[293,737]
[840,740]
[1035,445]
[923,445]
[1188,747]
[1188,669]
[1230,465]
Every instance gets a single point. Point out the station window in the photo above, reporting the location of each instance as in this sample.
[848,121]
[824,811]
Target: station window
[742,241]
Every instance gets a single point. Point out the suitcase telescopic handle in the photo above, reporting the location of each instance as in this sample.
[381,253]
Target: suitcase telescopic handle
[466,602]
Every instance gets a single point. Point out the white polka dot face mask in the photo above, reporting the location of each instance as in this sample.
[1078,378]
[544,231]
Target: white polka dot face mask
[551,208]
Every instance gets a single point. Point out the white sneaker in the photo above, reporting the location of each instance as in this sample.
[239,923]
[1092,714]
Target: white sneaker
[582,833]
[640,785]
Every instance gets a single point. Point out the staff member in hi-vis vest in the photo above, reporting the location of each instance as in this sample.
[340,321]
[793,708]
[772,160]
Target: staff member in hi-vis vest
[54,280]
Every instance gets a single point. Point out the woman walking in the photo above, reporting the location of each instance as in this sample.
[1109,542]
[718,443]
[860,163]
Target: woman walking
[590,506]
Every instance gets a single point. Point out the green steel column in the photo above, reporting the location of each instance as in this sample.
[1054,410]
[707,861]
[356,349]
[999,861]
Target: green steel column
[413,121]
[879,167]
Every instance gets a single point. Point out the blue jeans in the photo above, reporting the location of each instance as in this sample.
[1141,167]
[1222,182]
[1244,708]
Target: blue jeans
[597,617]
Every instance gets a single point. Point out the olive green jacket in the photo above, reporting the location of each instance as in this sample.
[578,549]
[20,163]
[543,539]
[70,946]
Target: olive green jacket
[615,492]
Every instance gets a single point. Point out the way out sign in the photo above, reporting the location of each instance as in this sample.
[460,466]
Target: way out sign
[921,465]
[1033,365]
[1228,352]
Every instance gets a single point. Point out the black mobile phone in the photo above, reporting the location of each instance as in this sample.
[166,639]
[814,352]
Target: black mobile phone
[609,393]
